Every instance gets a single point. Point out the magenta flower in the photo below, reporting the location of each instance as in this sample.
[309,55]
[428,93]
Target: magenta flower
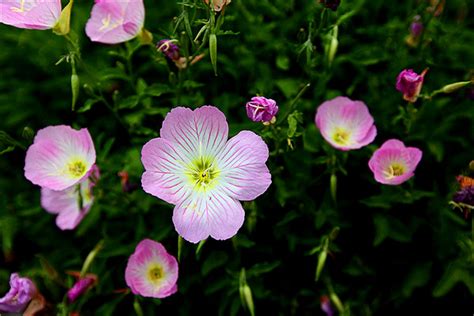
[81,286]
[409,83]
[345,124]
[393,163]
[30,14]
[261,109]
[151,271]
[71,204]
[114,22]
[194,167]
[22,290]
[170,49]
[59,157]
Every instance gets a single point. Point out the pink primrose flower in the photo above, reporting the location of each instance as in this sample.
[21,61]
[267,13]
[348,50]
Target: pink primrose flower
[81,286]
[261,109]
[59,157]
[393,163]
[30,14]
[193,166]
[71,204]
[22,290]
[345,124]
[409,83]
[151,271]
[115,21]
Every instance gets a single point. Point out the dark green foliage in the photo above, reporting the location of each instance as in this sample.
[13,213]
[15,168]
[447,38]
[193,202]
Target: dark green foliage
[382,250]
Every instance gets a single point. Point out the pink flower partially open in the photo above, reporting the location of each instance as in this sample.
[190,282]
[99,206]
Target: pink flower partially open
[30,14]
[193,166]
[345,124]
[410,83]
[71,204]
[59,157]
[22,290]
[218,5]
[114,22]
[393,163]
[151,271]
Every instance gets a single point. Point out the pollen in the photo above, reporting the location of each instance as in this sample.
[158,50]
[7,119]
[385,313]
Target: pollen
[394,170]
[76,169]
[341,136]
[203,173]
[155,273]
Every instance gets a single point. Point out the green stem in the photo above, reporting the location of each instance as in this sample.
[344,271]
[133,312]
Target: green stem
[293,103]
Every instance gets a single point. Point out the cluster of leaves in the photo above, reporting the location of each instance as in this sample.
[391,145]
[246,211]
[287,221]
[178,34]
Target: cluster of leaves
[324,227]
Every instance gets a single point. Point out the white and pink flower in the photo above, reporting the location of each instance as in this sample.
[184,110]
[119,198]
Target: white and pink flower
[59,157]
[345,124]
[393,163]
[30,14]
[114,22]
[72,204]
[151,271]
[193,166]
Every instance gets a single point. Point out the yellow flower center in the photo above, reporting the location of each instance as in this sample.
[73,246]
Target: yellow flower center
[203,173]
[155,273]
[394,170]
[341,136]
[76,168]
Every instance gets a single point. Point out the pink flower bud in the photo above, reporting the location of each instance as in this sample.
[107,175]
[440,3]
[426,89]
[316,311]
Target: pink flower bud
[261,109]
[81,286]
[409,83]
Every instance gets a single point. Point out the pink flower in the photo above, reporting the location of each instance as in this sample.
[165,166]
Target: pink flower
[151,271]
[30,14]
[194,167]
[218,5]
[22,290]
[71,204]
[261,109]
[114,22]
[393,163]
[345,124]
[81,286]
[409,83]
[60,157]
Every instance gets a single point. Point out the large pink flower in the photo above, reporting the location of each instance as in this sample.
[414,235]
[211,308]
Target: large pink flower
[393,163]
[30,14]
[113,21]
[71,204]
[151,271]
[59,157]
[193,166]
[345,124]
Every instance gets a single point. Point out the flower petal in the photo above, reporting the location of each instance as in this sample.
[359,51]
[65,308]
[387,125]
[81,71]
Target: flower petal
[114,22]
[242,163]
[30,14]
[202,132]
[214,214]
[163,176]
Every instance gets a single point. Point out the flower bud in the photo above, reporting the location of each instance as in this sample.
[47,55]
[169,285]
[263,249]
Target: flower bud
[409,83]
[261,109]
[81,286]
[218,5]
[455,86]
[170,49]
[326,305]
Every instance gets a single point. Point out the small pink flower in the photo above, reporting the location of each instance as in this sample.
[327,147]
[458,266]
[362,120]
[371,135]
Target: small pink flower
[261,109]
[71,204]
[114,22]
[30,14]
[22,290]
[59,157]
[194,167]
[218,5]
[409,83]
[345,124]
[81,286]
[393,163]
[151,271]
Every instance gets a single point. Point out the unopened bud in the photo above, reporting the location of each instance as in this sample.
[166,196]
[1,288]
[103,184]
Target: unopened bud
[455,86]
[75,86]
[213,51]
[62,27]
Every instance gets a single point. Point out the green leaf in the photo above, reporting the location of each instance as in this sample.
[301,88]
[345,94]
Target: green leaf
[214,261]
